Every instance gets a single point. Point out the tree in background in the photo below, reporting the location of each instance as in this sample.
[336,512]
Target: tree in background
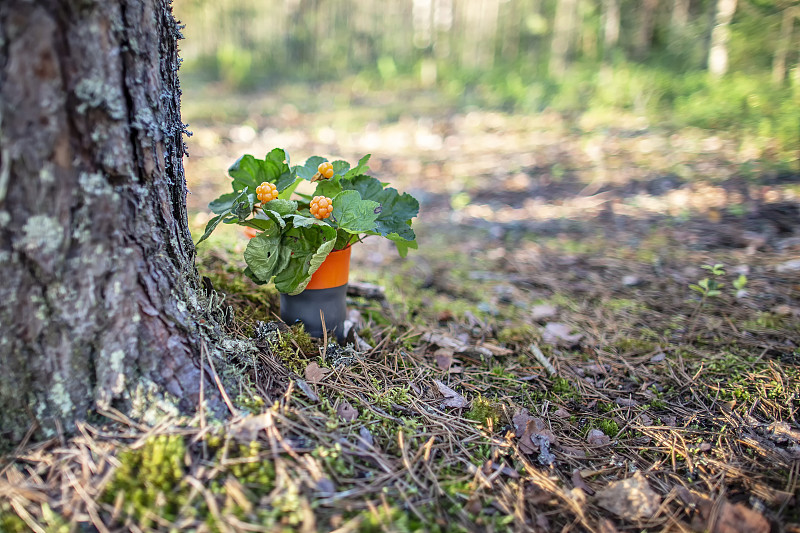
[720,35]
[100,302]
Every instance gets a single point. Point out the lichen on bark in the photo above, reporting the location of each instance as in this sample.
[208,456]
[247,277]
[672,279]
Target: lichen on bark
[97,254]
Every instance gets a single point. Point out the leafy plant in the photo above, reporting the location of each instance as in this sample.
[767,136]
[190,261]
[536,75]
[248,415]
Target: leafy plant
[739,284]
[709,287]
[292,240]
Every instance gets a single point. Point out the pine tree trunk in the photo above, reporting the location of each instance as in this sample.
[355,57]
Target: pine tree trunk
[783,44]
[611,25]
[96,260]
[645,24]
[565,27]
[720,33]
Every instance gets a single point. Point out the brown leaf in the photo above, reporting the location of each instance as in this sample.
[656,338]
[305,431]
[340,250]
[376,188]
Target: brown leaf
[559,334]
[597,438]
[444,358]
[444,341]
[561,413]
[572,451]
[315,373]
[451,397]
[578,481]
[626,402]
[534,436]
[727,517]
[630,498]
[347,411]
[497,351]
[248,428]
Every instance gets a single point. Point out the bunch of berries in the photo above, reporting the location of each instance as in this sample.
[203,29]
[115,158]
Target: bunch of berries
[266,191]
[321,207]
[326,170]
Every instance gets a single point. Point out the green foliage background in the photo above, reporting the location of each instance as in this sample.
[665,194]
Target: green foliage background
[499,54]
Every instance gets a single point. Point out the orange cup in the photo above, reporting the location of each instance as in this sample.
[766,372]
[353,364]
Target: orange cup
[333,272]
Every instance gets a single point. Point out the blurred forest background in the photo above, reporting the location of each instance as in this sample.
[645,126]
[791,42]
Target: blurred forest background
[715,64]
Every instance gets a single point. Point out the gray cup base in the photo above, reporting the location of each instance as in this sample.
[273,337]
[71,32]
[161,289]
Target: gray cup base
[305,307]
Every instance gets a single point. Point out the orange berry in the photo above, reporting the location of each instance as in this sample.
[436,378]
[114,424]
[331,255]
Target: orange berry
[266,191]
[321,207]
[326,169]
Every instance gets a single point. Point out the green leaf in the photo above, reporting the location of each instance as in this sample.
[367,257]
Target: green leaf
[308,170]
[396,210]
[353,214]
[243,206]
[247,171]
[403,245]
[307,248]
[286,193]
[302,221]
[697,288]
[340,168]
[250,172]
[277,168]
[261,255]
[212,224]
[360,168]
[224,203]
[256,280]
[268,219]
[282,207]
[329,188]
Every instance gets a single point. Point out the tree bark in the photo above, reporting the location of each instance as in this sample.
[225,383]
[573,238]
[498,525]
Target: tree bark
[611,25]
[646,20]
[720,33]
[565,27]
[100,303]
[783,44]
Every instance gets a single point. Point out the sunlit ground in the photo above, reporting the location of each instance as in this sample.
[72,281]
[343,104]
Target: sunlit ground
[487,168]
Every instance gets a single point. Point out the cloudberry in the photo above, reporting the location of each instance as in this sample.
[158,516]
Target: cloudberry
[326,169]
[266,191]
[321,207]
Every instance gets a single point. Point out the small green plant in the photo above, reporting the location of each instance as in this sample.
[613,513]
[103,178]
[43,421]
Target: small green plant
[709,288]
[293,233]
[739,284]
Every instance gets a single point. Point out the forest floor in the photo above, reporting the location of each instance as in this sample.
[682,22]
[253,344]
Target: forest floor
[539,364]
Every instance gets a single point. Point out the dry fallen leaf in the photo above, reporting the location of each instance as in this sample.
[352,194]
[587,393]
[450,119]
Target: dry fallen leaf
[451,397]
[597,438]
[630,498]
[444,341]
[559,334]
[579,483]
[347,412]
[315,373]
[248,428]
[626,402]
[444,358]
[723,516]
[534,436]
